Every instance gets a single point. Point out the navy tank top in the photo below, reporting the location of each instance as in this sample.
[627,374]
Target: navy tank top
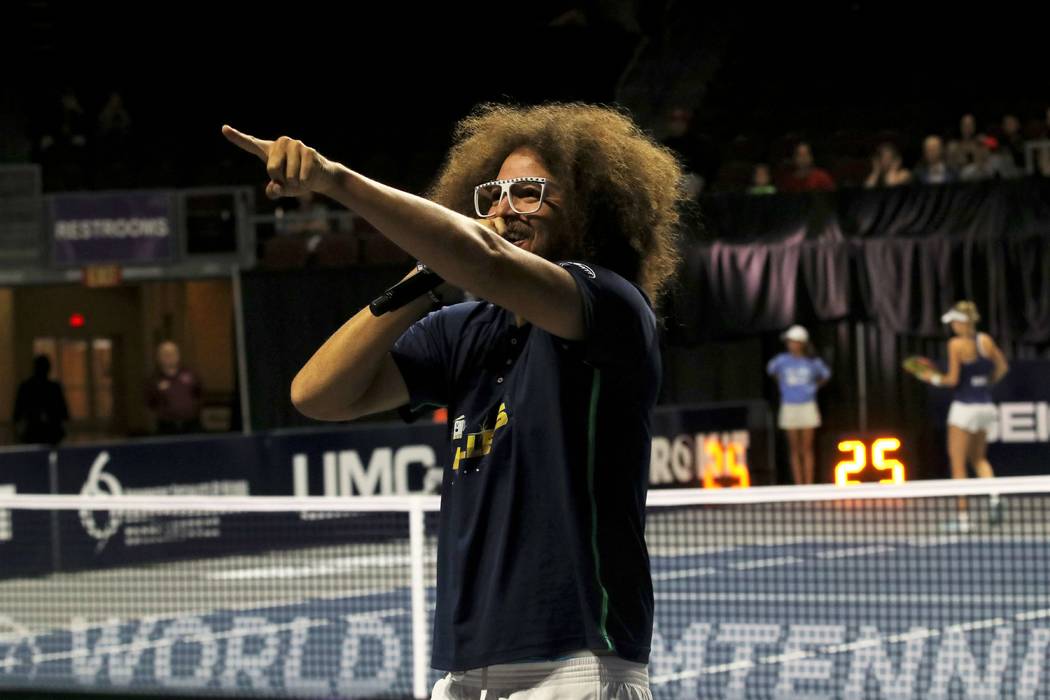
[975,379]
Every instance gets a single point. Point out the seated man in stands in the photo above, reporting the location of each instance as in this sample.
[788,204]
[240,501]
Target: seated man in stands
[934,168]
[805,176]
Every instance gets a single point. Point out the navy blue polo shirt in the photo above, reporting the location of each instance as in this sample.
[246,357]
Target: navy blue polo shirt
[541,546]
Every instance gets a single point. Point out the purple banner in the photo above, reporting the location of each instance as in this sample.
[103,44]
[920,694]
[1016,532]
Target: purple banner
[120,227]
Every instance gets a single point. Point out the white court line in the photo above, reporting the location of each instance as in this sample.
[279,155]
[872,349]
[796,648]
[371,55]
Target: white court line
[327,567]
[980,624]
[684,573]
[1041,599]
[764,563]
[971,538]
[1033,615]
[676,551]
[919,633]
[854,552]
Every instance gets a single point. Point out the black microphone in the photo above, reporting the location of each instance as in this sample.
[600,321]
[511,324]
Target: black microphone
[406,290]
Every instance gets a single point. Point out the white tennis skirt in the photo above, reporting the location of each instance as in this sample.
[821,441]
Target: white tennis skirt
[795,416]
[972,417]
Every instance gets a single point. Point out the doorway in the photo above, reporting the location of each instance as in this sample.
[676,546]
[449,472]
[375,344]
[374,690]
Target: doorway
[86,368]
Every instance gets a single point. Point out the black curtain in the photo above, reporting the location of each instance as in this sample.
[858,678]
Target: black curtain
[896,257]
[287,316]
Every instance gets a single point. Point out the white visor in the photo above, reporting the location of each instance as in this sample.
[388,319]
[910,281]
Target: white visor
[955,315]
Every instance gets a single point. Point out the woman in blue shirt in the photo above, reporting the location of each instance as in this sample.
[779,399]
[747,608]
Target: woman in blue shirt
[975,363]
[799,374]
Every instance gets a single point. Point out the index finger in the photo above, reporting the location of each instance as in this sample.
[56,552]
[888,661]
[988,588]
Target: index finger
[257,147]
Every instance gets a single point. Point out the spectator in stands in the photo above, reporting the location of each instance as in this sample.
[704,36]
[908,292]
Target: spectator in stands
[806,176]
[1042,157]
[1042,161]
[1011,143]
[114,120]
[965,148]
[174,393]
[977,164]
[934,168]
[113,150]
[40,407]
[887,169]
[66,126]
[63,143]
[988,162]
[762,180]
[680,139]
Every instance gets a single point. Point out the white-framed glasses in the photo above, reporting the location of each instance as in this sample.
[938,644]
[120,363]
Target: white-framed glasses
[524,194]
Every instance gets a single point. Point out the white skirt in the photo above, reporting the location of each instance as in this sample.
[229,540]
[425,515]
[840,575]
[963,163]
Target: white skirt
[972,417]
[795,416]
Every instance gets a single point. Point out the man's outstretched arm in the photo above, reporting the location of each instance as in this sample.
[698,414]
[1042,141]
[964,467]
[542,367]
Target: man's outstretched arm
[467,253]
[353,374]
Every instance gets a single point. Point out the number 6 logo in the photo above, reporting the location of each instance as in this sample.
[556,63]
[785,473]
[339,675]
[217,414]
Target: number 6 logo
[879,460]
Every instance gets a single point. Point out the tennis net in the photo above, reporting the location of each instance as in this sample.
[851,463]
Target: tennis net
[931,589]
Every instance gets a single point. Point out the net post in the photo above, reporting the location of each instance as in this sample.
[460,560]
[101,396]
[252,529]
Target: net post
[416,538]
[56,541]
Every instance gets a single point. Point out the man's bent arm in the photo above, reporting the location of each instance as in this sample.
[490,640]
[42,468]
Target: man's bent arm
[353,373]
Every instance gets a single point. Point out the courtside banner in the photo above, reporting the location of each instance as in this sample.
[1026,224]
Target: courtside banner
[712,445]
[24,470]
[198,466]
[1019,440]
[117,227]
[366,460]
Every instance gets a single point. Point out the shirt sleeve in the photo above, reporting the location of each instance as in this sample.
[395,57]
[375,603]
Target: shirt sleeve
[422,356]
[773,368]
[822,370]
[619,323]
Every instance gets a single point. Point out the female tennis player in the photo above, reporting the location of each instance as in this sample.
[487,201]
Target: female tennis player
[975,363]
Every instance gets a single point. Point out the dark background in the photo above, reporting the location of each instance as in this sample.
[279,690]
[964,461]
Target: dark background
[380,85]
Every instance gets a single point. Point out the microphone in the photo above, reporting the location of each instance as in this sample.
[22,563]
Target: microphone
[406,290]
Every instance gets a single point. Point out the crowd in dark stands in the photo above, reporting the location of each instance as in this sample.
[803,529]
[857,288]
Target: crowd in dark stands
[860,158]
[82,147]
[96,147]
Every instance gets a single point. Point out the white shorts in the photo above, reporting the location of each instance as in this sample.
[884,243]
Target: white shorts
[794,416]
[587,677]
[972,417]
